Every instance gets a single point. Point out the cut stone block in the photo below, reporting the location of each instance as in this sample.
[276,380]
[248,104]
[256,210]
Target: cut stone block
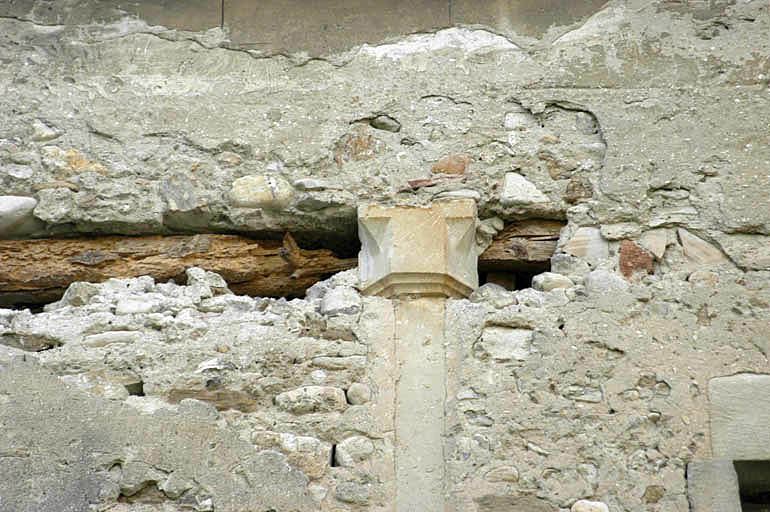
[426,251]
[712,486]
[740,414]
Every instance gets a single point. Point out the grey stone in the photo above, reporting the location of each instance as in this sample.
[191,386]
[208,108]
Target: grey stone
[506,344]
[198,410]
[493,294]
[740,410]
[572,267]
[312,399]
[387,123]
[110,338]
[353,450]
[548,281]
[712,486]
[79,294]
[310,184]
[359,394]
[459,194]
[599,282]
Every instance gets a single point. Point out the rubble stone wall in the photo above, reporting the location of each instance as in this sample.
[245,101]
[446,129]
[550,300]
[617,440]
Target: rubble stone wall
[643,126]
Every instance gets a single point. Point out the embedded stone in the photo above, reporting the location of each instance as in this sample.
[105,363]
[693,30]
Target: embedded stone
[602,282]
[312,399]
[387,123]
[311,184]
[418,250]
[506,344]
[570,266]
[464,193]
[589,244]
[452,164]
[359,394]
[261,191]
[41,132]
[229,159]
[503,474]
[519,191]
[655,241]
[698,250]
[494,294]
[634,259]
[353,450]
[589,506]
[79,294]
[621,230]
[16,217]
[548,281]
[341,300]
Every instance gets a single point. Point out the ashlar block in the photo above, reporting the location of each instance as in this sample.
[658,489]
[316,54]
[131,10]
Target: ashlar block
[425,251]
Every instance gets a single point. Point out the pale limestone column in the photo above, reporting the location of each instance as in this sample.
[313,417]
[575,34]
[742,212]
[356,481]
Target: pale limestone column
[420,256]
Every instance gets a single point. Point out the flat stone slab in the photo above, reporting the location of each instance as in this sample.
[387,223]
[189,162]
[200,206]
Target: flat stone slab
[712,486]
[740,414]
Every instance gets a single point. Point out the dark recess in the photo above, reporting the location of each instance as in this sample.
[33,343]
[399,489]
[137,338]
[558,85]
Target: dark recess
[754,484]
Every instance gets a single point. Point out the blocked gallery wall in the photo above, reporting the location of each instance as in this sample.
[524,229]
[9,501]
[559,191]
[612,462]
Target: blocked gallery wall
[183,322]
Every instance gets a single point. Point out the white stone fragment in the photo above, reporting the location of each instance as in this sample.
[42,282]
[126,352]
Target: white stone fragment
[461,38]
[42,132]
[589,506]
[136,306]
[548,281]
[341,301]
[261,191]
[16,218]
[505,343]
[589,244]
[519,191]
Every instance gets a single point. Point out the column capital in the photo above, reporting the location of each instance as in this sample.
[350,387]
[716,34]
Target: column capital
[418,250]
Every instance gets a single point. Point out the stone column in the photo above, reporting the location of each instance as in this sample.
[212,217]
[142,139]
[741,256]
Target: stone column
[419,256]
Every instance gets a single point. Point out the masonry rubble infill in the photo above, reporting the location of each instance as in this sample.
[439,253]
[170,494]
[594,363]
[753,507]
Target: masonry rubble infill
[419,256]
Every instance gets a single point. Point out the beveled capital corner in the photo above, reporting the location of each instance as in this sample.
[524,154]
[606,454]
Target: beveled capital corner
[415,250]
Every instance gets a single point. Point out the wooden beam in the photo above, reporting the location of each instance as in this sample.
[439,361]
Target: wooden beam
[522,246]
[37,271]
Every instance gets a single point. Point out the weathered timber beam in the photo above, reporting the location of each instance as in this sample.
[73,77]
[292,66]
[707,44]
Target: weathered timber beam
[36,271]
[524,245]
